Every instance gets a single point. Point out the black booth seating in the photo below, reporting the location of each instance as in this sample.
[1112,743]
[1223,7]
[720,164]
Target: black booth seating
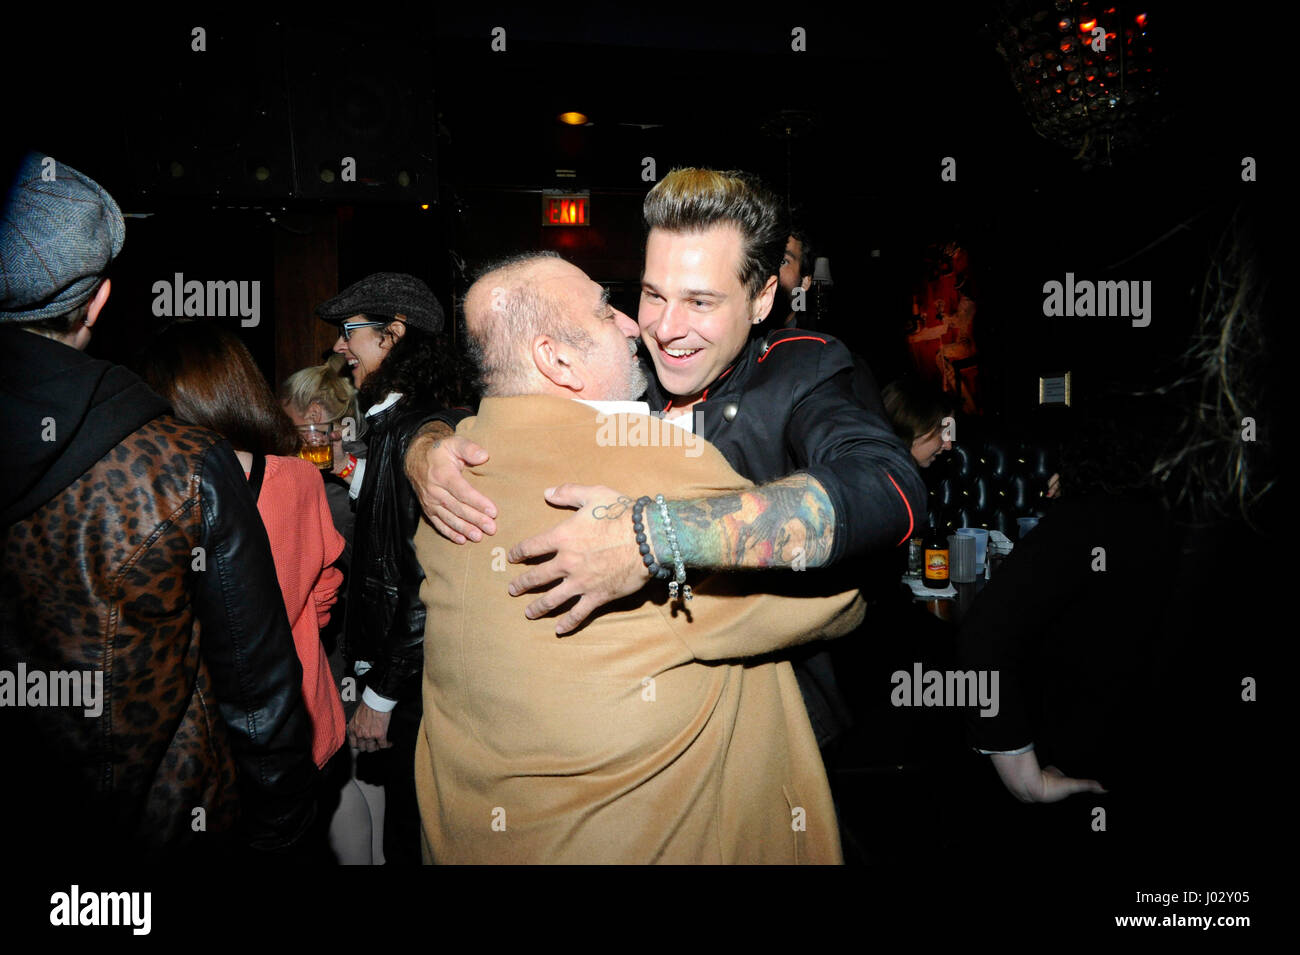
[988,481]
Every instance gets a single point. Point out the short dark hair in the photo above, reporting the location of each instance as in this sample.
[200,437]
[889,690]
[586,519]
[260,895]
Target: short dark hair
[210,379]
[524,312]
[60,325]
[692,200]
[513,261]
[67,323]
[807,257]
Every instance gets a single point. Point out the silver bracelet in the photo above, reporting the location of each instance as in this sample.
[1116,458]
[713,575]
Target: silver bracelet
[679,576]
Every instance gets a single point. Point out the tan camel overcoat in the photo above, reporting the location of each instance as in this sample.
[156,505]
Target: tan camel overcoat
[656,732]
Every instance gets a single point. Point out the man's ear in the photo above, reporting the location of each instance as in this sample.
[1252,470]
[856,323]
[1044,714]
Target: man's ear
[807,282]
[97,302]
[554,362]
[763,303]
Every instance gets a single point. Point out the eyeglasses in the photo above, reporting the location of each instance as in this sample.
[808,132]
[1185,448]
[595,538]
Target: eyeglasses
[347,328]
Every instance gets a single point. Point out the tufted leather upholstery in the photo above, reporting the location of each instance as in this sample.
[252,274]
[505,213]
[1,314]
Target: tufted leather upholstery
[988,480]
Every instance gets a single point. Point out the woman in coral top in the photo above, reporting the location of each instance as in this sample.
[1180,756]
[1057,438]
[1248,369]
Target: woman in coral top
[211,380]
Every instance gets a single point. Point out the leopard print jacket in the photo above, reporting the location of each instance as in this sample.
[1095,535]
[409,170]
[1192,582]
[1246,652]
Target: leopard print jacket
[153,569]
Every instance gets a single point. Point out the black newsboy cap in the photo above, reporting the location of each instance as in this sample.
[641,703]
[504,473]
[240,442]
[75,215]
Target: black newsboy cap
[386,293]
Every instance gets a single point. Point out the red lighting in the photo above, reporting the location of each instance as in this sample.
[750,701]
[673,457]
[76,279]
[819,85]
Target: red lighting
[1141,19]
[566,210]
[1087,26]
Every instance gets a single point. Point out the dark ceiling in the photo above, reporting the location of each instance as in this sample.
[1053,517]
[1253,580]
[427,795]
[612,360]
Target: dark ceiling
[881,92]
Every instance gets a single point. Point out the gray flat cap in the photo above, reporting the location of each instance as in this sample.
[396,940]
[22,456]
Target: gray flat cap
[386,293]
[58,233]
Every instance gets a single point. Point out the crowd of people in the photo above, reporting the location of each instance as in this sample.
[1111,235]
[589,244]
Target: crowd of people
[490,634]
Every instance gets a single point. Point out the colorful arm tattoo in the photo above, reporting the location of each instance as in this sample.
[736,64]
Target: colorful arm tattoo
[788,522]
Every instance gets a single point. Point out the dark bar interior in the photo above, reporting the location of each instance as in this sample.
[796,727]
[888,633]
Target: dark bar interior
[1041,237]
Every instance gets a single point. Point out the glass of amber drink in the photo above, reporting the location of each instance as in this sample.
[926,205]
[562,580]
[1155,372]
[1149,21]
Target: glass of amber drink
[316,446]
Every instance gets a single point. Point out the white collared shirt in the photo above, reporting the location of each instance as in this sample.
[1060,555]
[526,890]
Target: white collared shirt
[686,422]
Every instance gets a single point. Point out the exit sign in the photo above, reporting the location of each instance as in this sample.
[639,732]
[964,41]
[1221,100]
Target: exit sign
[566,210]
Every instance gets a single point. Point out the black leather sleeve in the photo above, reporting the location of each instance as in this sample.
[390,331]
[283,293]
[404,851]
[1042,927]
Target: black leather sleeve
[400,662]
[869,475]
[250,652]
[452,416]
[398,671]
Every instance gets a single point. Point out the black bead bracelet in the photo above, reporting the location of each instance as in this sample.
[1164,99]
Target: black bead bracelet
[643,541]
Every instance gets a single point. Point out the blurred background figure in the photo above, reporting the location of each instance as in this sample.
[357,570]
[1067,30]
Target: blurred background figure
[321,395]
[796,272]
[917,411]
[1125,627]
[942,341]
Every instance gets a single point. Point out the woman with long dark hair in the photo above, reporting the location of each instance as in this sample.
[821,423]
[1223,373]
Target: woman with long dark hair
[388,324]
[210,379]
[917,411]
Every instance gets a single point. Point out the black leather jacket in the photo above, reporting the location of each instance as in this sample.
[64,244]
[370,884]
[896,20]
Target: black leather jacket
[254,663]
[794,400]
[102,572]
[788,404]
[385,616]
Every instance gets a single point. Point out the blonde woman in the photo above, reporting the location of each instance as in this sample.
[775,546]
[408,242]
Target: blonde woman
[318,395]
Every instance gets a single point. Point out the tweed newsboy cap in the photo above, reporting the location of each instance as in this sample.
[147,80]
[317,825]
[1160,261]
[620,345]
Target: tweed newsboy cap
[57,236]
[386,293]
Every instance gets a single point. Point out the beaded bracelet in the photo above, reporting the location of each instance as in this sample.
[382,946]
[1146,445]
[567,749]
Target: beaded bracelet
[679,578]
[643,542]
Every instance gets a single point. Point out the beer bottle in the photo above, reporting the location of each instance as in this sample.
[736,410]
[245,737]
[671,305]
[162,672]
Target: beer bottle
[936,556]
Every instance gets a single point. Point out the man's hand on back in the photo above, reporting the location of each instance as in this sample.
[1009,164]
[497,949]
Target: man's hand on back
[434,463]
[595,555]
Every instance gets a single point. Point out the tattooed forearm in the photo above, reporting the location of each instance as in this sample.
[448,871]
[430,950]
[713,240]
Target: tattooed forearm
[775,525]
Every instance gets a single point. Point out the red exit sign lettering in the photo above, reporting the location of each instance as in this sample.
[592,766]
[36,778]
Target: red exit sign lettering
[566,210]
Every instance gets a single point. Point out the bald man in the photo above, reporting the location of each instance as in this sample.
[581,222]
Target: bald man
[658,731]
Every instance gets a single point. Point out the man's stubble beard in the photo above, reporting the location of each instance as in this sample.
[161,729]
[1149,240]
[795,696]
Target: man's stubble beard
[635,382]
